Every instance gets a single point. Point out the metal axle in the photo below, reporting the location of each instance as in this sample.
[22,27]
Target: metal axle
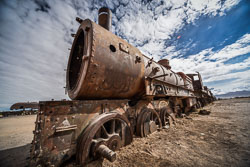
[106,153]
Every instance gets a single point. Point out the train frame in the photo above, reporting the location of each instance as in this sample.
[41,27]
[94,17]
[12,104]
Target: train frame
[111,102]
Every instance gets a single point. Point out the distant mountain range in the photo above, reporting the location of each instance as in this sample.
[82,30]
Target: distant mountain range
[243,93]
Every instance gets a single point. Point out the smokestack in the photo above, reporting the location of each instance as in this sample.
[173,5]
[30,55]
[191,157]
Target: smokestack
[104,18]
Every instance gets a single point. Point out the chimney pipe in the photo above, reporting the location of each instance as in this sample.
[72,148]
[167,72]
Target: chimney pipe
[104,18]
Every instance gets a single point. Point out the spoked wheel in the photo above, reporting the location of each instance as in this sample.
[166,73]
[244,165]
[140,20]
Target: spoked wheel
[167,117]
[148,122]
[106,134]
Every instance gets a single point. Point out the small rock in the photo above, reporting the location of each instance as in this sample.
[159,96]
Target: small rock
[204,112]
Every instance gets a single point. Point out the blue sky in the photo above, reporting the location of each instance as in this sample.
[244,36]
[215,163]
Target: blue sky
[209,36]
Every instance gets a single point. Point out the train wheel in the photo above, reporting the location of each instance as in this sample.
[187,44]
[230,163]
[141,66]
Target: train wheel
[148,122]
[167,117]
[106,134]
[198,104]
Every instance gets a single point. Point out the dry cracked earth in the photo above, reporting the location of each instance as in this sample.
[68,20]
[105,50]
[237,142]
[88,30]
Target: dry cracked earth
[219,139]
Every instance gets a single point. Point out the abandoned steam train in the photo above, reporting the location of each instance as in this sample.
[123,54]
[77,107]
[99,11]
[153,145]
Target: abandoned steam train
[117,92]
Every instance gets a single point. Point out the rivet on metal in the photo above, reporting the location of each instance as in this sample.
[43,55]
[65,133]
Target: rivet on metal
[85,57]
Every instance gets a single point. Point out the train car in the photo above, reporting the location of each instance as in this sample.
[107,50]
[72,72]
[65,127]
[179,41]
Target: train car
[117,93]
[203,95]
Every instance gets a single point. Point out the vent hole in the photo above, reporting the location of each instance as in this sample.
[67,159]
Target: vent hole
[112,48]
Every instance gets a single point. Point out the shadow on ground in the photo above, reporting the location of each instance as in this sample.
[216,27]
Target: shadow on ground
[14,157]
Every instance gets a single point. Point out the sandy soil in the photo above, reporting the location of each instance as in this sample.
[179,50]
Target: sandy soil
[219,139]
[16,131]
[16,134]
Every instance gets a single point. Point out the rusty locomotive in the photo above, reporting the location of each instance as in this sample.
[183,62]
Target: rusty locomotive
[117,92]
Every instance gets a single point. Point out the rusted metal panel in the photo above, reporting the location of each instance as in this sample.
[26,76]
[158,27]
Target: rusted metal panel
[59,125]
[103,66]
[103,71]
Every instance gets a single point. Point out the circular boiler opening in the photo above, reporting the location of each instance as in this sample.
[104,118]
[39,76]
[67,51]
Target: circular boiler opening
[76,61]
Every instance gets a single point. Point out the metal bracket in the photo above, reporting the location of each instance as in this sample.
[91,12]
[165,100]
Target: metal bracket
[65,128]
[124,47]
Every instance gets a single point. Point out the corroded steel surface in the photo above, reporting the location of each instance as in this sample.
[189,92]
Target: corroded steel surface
[105,18]
[60,123]
[103,66]
[99,67]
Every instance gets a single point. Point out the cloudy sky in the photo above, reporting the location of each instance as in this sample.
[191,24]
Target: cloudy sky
[209,36]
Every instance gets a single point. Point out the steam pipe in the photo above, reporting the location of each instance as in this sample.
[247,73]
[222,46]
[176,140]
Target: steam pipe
[104,18]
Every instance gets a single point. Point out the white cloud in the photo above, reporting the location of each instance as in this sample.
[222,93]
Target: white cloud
[240,47]
[212,67]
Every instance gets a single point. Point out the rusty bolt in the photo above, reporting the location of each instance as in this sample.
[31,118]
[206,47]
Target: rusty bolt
[155,70]
[35,132]
[95,65]
[85,57]
[79,20]
[137,59]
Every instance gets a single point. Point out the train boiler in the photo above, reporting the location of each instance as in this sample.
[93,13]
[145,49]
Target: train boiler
[116,91]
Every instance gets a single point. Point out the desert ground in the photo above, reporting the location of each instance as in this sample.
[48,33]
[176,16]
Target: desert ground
[219,139]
